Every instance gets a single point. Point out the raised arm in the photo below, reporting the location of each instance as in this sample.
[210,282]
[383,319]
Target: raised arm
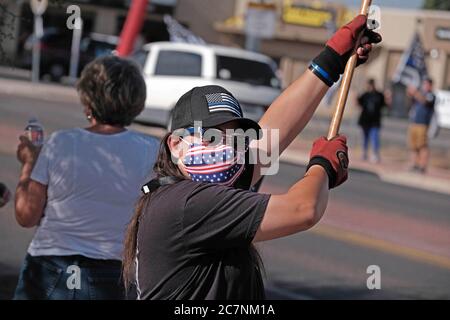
[31,196]
[293,109]
[305,203]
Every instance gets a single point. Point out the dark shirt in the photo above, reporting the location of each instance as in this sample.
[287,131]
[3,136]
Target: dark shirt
[195,242]
[422,113]
[372,103]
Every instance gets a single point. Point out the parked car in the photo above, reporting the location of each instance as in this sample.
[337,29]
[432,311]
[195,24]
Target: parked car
[171,69]
[56,50]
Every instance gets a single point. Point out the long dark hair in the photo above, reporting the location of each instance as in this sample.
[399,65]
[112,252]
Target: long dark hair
[164,167]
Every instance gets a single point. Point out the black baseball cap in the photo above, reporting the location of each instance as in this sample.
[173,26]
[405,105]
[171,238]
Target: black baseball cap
[213,106]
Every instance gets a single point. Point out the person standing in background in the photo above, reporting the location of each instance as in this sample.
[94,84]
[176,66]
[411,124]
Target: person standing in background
[420,118]
[371,102]
[80,189]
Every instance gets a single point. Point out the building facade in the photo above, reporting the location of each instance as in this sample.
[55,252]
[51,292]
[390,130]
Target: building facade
[302,31]
[302,28]
[99,16]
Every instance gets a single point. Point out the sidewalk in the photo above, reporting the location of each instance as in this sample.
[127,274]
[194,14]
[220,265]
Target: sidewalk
[395,157]
[41,90]
[394,167]
[14,73]
[393,132]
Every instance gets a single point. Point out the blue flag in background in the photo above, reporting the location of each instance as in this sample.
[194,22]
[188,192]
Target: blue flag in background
[412,68]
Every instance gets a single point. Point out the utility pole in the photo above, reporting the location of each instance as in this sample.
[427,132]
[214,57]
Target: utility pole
[38,7]
[75,49]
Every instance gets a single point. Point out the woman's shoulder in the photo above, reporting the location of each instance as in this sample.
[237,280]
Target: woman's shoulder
[169,200]
[178,189]
[201,193]
[181,191]
[143,138]
[62,136]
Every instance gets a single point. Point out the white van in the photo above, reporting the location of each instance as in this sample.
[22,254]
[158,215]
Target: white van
[171,69]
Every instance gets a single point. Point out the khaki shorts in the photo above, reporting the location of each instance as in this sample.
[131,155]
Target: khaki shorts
[418,136]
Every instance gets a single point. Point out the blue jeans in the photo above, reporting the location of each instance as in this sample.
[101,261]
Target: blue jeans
[371,135]
[69,278]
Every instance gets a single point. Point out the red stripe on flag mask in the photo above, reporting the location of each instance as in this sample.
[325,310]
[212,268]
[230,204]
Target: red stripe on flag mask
[219,163]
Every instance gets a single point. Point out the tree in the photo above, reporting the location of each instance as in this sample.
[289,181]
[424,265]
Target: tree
[7,21]
[6,25]
[436,4]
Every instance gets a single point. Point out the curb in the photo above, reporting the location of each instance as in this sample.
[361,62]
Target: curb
[44,91]
[58,93]
[299,157]
[401,178]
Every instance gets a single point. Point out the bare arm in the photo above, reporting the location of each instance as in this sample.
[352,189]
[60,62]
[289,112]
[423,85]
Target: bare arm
[293,109]
[297,210]
[289,114]
[31,196]
[416,95]
[305,203]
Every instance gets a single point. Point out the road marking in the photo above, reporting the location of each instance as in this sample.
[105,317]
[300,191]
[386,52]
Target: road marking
[382,245]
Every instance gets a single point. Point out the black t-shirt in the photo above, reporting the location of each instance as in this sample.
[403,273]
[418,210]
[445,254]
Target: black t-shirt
[372,104]
[195,242]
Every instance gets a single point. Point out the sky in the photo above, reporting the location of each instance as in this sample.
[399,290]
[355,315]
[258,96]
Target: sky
[411,4]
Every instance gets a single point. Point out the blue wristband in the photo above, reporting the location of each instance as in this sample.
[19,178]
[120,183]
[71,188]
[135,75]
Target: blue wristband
[321,73]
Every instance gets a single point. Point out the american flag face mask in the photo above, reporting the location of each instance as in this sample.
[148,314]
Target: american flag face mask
[216,164]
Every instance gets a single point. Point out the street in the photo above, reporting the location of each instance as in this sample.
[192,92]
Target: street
[404,231]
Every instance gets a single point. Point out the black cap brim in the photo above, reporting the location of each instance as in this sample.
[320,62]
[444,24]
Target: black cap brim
[243,123]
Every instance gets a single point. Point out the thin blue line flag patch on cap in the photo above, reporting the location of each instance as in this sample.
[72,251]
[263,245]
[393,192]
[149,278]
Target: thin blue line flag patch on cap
[223,102]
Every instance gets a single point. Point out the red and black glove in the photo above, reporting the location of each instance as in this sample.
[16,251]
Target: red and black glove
[330,63]
[332,155]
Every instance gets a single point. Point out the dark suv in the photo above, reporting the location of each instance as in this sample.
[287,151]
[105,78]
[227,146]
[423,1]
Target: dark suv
[56,50]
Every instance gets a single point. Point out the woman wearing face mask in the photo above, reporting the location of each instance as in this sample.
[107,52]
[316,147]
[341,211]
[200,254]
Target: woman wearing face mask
[193,231]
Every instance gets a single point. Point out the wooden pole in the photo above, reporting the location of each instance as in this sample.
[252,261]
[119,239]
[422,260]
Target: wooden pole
[346,81]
